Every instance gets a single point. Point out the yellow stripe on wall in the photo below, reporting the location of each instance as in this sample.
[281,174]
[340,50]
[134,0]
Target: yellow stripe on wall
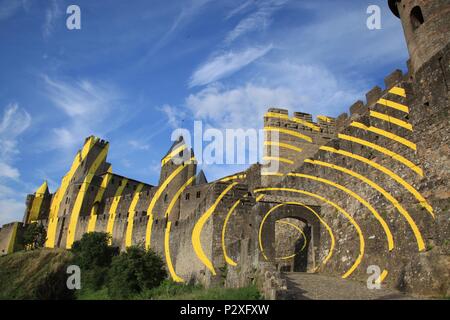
[228,260]
[338,208]
[161,188]
[398,91]
[293,119]
[282,145]
[131,213]
[392,120]
[278,159]
[393,105]
[172,154]
[384,225]
[81,196]
[387,152]
[197,232]
[386,134]
[59,194]
[387,195]
[113,208]
[98,198]
[288,132]
[422,201]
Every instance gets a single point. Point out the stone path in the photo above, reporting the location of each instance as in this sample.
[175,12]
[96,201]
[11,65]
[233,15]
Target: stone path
[307,286]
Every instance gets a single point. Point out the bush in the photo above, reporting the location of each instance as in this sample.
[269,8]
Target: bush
[93,251]
[93,255]
[134,271]
[34,236]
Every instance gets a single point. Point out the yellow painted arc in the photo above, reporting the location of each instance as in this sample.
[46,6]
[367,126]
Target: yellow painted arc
[302,234]
[384,225]
[325,119]
[393,105]
[172,272]
[283,145]
[59,194]
[37,202]
[288,132]
[172,154]
[276,174]
[161,188]
[293,119]
[330,231]
[81,196]
[228,260]
[174,200]
[12,241]
[341,210]
[387,195]
[398,91]
[259,198]
[177,195]
[98,198]
[113,208]
[422,201]
[386,134]
[278,159]
[382,277]
[387,152]
[131,214]
[196,233]
[236,177]
[392,120]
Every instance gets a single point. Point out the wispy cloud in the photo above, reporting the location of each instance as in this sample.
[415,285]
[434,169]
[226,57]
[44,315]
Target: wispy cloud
[240,9]
[225,64]
[14,122]
[284,84]
[9,8]
[258,20]
[174,115]
[51,14]
[90,108]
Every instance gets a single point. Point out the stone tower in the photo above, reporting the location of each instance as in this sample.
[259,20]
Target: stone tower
[426,27]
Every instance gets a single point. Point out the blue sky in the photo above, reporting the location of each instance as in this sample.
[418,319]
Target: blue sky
[139,69]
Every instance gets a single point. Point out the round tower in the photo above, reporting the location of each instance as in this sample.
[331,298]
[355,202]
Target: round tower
[426,24]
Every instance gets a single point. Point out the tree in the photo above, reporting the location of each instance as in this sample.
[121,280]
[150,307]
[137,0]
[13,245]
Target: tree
[134,271]
[34,236]
[93,255]
[93,250]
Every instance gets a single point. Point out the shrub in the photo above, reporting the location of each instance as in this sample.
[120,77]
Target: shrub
[134,271]
[34,236]
[93,251]
[93,255]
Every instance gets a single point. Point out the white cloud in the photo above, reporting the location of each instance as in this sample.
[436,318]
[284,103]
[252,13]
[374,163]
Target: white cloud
[91,108]
[51,14]
[13,123]
[138,145]
[225,64]
[258,20]
[11,210]
[174,115]
[7,171]
[287,85]
[240,9]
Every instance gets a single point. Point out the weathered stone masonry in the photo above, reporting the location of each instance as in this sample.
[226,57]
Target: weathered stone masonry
[368,188]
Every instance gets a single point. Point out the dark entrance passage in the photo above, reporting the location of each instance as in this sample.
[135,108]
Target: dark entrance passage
[289,236]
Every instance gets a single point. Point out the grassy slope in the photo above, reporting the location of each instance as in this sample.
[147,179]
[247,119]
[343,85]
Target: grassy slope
[38,274]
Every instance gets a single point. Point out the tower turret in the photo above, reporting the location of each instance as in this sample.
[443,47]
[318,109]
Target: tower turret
[426,24]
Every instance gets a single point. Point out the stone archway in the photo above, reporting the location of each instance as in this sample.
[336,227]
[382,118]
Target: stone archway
[304,260]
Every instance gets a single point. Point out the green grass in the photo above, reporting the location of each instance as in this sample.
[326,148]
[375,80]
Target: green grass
[37,274]
[169,290]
